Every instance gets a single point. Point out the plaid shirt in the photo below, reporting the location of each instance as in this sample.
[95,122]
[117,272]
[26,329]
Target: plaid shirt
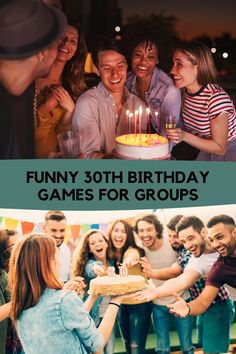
[196,289]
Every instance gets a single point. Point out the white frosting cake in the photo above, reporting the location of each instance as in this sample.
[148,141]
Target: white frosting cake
[142,147]
[117,285]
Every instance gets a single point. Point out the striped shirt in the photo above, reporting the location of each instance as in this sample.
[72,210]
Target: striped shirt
[208,103]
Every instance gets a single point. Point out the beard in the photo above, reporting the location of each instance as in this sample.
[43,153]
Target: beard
[177,248]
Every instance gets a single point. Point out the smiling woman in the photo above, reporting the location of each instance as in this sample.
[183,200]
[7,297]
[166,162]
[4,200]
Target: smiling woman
[209,115]
[92,260]
[58,91]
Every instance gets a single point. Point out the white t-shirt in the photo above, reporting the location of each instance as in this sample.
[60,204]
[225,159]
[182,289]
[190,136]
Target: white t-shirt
[202,264]
[164,257]
[65,255]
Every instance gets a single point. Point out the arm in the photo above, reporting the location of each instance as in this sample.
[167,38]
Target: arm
[85,121]
[162,274]
[217,144]
[171,105]
[65,100]
[182,282]
[131,257]
[108,321]
[5,311]
[195,307]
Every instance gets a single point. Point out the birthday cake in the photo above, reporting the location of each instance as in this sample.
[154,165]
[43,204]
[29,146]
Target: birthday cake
[115,286]
[142,147]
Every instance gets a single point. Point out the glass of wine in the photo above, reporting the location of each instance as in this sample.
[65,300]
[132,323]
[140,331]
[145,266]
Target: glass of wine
[170,122]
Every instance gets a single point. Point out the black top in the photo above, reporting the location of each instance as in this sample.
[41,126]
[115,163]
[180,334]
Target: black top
[17,124]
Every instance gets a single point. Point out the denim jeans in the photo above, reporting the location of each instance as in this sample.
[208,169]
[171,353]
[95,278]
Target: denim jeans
[134,321]
[161,321]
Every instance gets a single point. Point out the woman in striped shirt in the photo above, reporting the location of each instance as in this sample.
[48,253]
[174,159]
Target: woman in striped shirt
[208,113]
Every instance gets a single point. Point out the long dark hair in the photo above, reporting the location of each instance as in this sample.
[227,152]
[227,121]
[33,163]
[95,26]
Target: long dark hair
[73,73]
[130,241]
[85,254]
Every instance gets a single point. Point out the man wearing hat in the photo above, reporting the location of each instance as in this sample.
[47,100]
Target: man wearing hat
[28,47]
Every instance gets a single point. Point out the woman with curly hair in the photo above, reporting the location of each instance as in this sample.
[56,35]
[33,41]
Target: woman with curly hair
[93,260]
[58,91]
[134,318]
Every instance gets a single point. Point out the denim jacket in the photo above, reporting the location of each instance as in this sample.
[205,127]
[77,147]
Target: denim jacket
[58,324]
[162,97]
[89,275]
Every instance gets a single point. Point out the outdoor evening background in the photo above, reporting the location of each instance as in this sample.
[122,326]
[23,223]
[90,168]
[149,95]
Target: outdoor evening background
[210,21]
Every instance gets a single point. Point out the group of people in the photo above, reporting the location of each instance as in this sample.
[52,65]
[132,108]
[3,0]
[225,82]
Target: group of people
[42,80]
[185,263]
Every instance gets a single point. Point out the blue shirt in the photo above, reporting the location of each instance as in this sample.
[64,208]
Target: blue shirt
[162,97]
[58,324]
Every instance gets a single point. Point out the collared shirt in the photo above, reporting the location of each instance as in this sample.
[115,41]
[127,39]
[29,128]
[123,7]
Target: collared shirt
[162,97]
[183,258]
[97,121]
[58,324]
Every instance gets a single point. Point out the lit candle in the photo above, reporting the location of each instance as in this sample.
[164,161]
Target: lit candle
[135,122]
[130,122]
[140,112]
[127,121]
[156,119]
[148,119]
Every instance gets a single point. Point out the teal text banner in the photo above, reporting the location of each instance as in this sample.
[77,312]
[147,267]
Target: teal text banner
[114,184]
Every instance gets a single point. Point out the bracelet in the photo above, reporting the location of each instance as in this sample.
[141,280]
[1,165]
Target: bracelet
[113,303]
[189,310]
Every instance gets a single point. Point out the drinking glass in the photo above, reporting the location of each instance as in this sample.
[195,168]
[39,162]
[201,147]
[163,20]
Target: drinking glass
[69,144]
[170,122]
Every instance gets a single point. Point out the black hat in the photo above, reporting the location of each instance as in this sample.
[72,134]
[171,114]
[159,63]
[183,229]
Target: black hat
[27,27]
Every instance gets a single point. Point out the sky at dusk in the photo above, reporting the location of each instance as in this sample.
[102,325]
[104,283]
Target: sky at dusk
[211,17]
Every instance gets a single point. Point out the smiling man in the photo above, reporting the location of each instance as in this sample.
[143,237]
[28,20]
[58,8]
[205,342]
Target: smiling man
[100,113]
[193,235]
[222,236]
[161,255]
[55,227]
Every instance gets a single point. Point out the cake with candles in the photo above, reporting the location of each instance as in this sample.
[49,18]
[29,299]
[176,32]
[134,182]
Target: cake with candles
[116,285]
[141,147]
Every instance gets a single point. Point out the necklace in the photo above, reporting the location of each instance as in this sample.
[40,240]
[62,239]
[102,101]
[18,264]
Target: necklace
[35,103]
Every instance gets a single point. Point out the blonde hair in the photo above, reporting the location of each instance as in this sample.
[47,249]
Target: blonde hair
[199,54]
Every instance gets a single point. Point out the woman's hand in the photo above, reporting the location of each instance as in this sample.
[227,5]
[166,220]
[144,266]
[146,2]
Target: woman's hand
[99,270]
[175,135]
[75,284]
[63,97]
